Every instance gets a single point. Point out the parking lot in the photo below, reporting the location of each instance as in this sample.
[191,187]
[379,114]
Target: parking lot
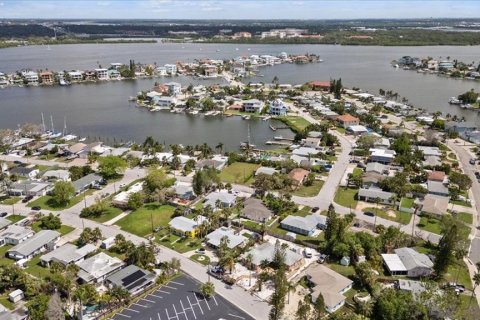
[181,299]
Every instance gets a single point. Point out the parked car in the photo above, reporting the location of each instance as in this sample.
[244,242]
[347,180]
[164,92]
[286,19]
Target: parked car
[3,214]
[201,250]
[36,208]
[17,162]
[472,161]
[315,209]
[322,258]
[27,198]
[356,225]
[307,253]
[369,213]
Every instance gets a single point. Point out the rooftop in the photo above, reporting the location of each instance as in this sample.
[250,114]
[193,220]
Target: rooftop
[98,266]
[266,251]
[329,283]
[214,238]
[68,253]
[34,243]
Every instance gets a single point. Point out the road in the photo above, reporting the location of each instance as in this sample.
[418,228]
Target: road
[35,161]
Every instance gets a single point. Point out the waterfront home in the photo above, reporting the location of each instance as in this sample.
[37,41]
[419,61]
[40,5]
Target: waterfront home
[278,108]
[164,101]
[75,149]
[186,227]
[97,268]
[372,194]
[218,162]
[255,210]
[437,188]
[432,64]
[234,240]
[407,261]
[161,71]
[224,199]
[298,176]
[14,235]
[330,284]
[434,204]
[113,74]
[347,120]
[47,77]
[265,170]
[265,253]
[304,225]
[67,254]
[446,65]
[252,105]
[116,65]
[86,182]
[30,76]
[171,69]
[101,73]
[174,88]
[75,76]
[384,156]
[131,278]
[41,241]
[121,199]
[25,172]
[313,143]
[356,130]
[305,152]
[59,174]
[319,85]
[29,188]
[241,34]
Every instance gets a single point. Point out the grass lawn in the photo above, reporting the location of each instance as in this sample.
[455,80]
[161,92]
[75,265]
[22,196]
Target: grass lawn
[341,130]
[179,244]
[5,302]
[430,224]
[239,172]
[346,197]
[15,217]
[47,203]
[357,172]
[297,124]
[458,272]
[465,217]
[252,225]
[4,261]
[35,269]
[461,203]
[400,217]
[309,191]
[7,200]
[139,222]
[343,270]
[305,211]
[111,213]
[407,203]
[467,307]
[64,229]
[275,228]
[201,258]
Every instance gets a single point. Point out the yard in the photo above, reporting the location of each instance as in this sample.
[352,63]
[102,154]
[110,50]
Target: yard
[346,197]
[47,202]
[15,218]
[465,217]
[310,191]
[392,215]
[151,215]
[3,251]
[7,200]
[179,244]
[35,269]
[346,271]
[201,258]
[406,203]
[458,272]
[239,173]
[297,124]
[5,302]
[430,224]
[461,203]
[111,213]
[64,229]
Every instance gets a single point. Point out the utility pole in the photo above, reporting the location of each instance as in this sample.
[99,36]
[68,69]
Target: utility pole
[413,223]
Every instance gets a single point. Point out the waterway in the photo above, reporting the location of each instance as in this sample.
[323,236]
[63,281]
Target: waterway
[102,109]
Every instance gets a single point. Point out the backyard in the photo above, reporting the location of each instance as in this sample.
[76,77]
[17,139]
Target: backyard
[63,228]
[35,269]
[7,200]
[346,197]
[392,215]
[297,124]
[239,173]
[309,191]
[177,243]
[142,220]
[430,224]
[3,251]
[15,217]
[47,202]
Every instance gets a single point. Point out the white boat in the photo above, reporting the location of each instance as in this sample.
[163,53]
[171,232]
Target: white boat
[82,139]
[194,112]
[454,100]
[236,49]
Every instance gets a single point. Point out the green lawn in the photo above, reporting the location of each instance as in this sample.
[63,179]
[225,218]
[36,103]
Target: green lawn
[177,243]
[15,217]
[310,191]
[461,203]
[201,258]
[64,229]
[297,124]
[35,269]
[111,213]
[458,272]
[400,217]
[407,203]
[357,172]
[346,197]
[5,302]
[4,261]
[430,224]
[341,130]
[139,222]
[6,200]
[343,270]
[275,228]
[465,217]
[239,173]
[47,203]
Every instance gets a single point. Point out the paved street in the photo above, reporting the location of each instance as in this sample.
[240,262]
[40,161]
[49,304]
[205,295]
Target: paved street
[35,161]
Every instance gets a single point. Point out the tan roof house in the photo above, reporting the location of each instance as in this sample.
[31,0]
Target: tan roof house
[298,175]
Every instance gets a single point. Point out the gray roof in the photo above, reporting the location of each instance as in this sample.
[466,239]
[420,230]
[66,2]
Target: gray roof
[266,170]
[375,167]
[374,193]
[6,315]
[214,238]
[4,222]
[86,181]
[329,283]
[436,187]
[16,232]
[60,174]
[308,223]
[131,278]
[68,253]
[430,151]
[224,197]
[413,286]
[254,209]
[36,242]
[22,170]
[28,186]
[266,251]
[412,259]
[98,266]
[435,204]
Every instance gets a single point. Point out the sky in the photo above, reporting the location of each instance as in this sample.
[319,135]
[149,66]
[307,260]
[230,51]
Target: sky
[237,9]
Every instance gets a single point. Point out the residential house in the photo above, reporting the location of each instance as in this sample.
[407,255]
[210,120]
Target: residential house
[347,120]
[25,172]
[67,254]
[372,179]
[113,74]
[438,176]
[310,142]
[252,105]
[75,76]
[97,268]
[319,85]
[255,210]
[174,88]
[356,130]
[266,170]
[164,101]
[29,188]
[218,162]
[384,156]
[59,174]
[278,108]
[430,151]
[242,34]
[76,148]
[266,251]
[15,234]
[131,278]
[304,225]
[31,77]
[186,227]
[437,188]
[376,167]
[4,223]
[101,74]
[226,199]
[298,175]
[371,194]
[434,204]
[305,152]
[382,143]
[121,199]
[47,77]
[214,238]
[330,284]
[86,182]
[184,190]
[41,241]
[171,69]
[16,296]
[407,261]
[161,71]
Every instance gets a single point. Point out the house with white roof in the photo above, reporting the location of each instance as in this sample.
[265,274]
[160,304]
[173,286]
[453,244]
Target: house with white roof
[407,261]
[174,88]
[170,69]
[183,226]
[252,105]
[266,170]
[215,237]
[41,241]
[304,225]
[95,269]
[67,254]
[121,199]
[226,199]
[15,234]
[266,252]
[384,156]
[59,174]
[101,73]
[357,130]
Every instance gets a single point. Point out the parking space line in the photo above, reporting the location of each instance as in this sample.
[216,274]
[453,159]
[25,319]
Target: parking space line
[162,291]
[236,316]
[170,287]
[198,303]
[131,310]
[168,316]
[215,300]
[159,316]
[185,309]
[140,305]
[123,315]
[154,295]
[191,306]
[174,282]
[206,301]
[148,300]
[178,313]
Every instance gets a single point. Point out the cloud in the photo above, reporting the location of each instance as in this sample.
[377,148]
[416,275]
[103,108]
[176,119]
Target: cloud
[103,3]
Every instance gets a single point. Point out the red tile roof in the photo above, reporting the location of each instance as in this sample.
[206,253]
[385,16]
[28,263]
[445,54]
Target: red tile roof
[321,84]
[347,118]
[436,176]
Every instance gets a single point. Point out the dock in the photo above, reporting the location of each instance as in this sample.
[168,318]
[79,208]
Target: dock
[278,143]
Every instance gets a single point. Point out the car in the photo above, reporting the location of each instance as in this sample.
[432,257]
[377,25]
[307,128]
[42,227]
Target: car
[472,161]
[322,258]
[315,209]
[201,250]
[307,253]
[356,225]
[3,214]
[369,213]
[477,174]
[36,208]
[27,198]
[17,162]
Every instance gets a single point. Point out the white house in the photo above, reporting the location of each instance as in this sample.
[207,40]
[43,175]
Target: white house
[101,73]
[252,105]
[278,108]
[174,88]
[171,69]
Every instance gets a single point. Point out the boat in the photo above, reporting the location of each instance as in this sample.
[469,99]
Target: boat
[194,112]
[267,118]
[278,137]
[236,49]
[245,145]
[396,66]
[245,117]
[132,98]
[454,100]
[218,50]
[82,139]
[62,82]
[273,128]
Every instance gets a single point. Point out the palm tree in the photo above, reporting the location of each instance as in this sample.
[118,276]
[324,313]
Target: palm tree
[377,201]
[208,289]
[248,262]
[219,146]
[476,281]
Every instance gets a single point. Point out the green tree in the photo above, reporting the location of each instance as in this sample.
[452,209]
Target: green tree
[469,96]
[135,200]
[142,255]
[462,180]
[37,307]
[319,306]
[111,166]
[277,300]
[62,192]
[84,294]
[50,222]
[445,254]
[304,309]
[394,304]
[55,309]
[207,289]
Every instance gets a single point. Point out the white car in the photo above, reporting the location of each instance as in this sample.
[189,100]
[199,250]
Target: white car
[307,253]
